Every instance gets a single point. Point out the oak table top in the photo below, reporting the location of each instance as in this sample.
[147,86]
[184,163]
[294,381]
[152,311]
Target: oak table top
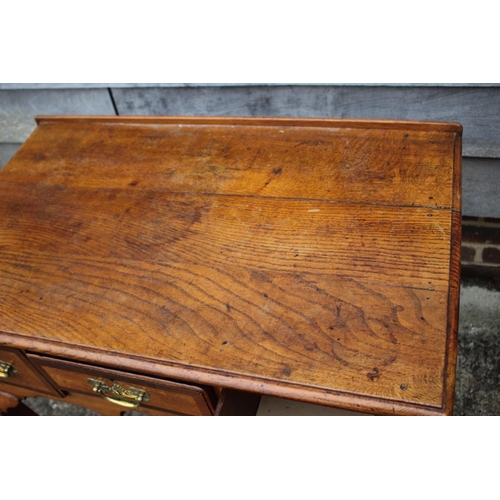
[310,259]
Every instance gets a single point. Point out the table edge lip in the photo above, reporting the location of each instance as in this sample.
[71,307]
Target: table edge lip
[309,122]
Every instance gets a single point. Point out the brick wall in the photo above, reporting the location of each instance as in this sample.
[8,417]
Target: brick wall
[481,242]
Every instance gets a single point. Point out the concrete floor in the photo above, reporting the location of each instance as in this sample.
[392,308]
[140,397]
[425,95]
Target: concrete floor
[478,369]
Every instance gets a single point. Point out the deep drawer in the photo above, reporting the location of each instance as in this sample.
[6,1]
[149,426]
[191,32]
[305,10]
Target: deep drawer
[124,389]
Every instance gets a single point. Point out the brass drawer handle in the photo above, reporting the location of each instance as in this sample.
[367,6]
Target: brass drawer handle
[130,398]
[6,370]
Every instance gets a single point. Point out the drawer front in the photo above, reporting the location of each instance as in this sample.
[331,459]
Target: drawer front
[17,371]
[171,397]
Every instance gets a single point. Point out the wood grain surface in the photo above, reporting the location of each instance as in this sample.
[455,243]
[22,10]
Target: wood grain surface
[310,259]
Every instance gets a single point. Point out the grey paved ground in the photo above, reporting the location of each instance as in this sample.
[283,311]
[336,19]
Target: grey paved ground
[478,370]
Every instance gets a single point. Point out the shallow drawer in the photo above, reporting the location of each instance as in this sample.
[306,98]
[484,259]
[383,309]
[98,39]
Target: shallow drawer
[103,407]
[125,389]
[17,371]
